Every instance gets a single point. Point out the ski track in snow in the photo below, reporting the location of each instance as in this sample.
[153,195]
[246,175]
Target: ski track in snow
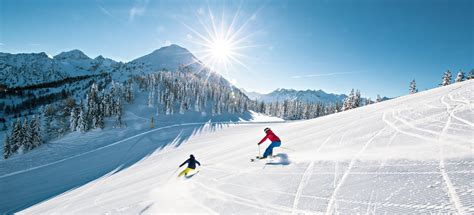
[302,184]
[392,138]
[451,189]
[451,113]
[392,125]
[246,202]
[346,173]
[358,202]
[309,169]
[408,155]
[304,179]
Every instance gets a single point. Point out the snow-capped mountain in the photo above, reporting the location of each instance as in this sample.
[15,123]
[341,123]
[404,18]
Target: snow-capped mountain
[29,69]
[73,54]
[309,96]
[251,94]
[169,57]
[78,63]
[36,68]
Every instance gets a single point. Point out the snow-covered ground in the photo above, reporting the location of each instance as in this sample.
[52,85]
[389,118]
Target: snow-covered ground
[413,154]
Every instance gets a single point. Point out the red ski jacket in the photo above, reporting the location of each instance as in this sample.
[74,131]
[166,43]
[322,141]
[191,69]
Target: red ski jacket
[271,136]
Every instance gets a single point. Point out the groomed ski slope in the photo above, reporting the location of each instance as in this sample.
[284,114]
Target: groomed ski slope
[413,154]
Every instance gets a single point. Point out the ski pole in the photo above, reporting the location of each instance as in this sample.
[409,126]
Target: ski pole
[259,150]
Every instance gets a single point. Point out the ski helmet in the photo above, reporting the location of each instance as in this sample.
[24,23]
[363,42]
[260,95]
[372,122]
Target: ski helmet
[266,129]
[191,156]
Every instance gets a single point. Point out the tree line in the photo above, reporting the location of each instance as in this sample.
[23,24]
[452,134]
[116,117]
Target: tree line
[68,116]
[181,91]
[446,79]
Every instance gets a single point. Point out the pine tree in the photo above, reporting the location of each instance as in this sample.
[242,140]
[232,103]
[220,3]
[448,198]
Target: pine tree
[470,75]
[48,114]
[26,143]
[349,101]
[446,78]
[460,76]
[93,107]
[182,107]
[69,104]
[151,98]
[100,116]
[100,122]
[118,120]
[7,147]
[169,106]
[106,104]
[357,100]
[37,140]
[129,93]
[16,135]
[378,99]
[63,125]
[413,87]
[262,107]
[83,122]
[73,120]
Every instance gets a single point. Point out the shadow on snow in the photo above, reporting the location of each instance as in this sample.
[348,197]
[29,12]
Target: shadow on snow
[25,189]
[280,159]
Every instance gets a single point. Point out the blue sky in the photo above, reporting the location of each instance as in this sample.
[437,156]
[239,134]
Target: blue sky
[376,46]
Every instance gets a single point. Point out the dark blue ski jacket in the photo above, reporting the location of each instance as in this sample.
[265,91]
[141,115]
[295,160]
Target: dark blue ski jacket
[191,162]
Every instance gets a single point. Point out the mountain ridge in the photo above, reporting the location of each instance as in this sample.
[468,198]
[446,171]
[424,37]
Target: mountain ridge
[23,69]
[309,96]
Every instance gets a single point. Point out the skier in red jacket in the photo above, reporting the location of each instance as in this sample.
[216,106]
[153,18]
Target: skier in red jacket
[276,142]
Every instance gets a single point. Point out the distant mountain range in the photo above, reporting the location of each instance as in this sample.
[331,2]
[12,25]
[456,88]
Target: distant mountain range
[28,69]
[18,70]
[308,96]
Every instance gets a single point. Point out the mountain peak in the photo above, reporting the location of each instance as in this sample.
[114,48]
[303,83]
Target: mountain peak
[173,46]
[168,57]
[283,90]
[172,49]
[73,54]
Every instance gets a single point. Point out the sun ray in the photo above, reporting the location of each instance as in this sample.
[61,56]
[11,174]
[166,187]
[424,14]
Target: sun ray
[222,42]
[198,34]
[213,24]
[232,23]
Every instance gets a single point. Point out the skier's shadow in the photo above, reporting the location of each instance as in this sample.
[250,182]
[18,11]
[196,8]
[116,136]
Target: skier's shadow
[191,175]
[281,159]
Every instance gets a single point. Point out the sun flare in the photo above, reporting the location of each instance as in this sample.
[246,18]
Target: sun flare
[221,49]
[222,40]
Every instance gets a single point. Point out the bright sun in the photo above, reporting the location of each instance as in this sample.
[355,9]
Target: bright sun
[221,49]
[222,40]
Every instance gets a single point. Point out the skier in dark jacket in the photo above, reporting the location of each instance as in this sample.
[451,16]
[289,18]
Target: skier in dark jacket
[191,165]
[276,142]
